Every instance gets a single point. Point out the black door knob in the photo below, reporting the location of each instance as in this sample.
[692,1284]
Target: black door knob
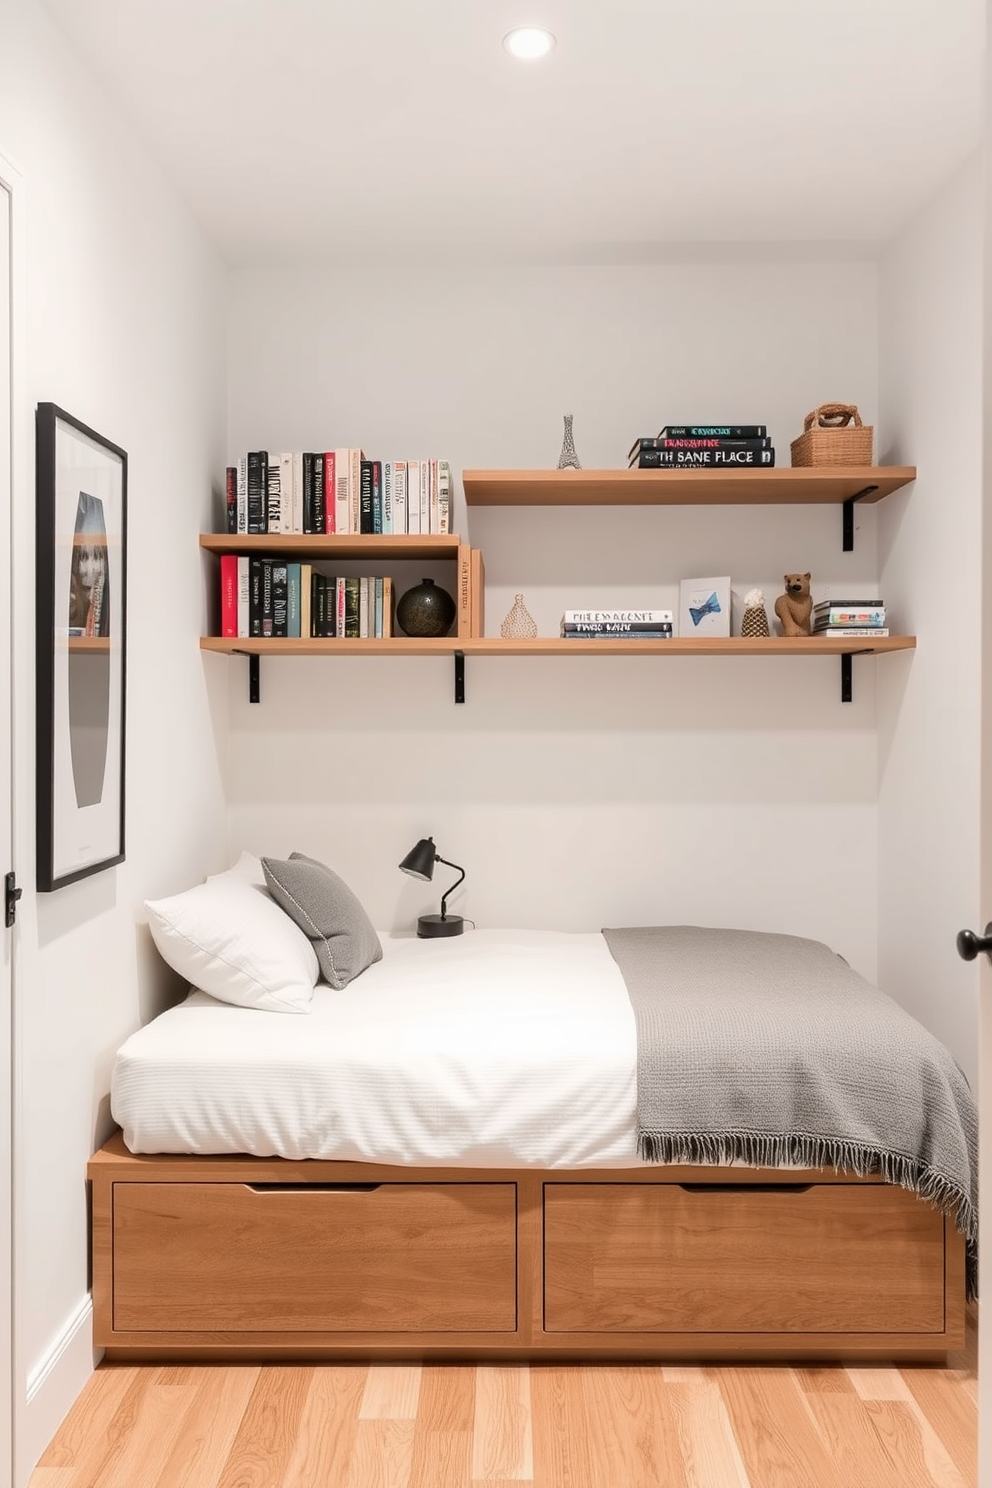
[971,945]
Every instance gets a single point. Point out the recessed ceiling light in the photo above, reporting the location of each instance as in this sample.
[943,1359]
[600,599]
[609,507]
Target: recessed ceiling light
[528,42]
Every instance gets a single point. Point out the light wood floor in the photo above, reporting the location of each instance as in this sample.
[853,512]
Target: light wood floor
[554,1426]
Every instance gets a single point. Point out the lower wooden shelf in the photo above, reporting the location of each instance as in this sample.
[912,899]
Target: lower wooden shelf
[461,647]
[556,646]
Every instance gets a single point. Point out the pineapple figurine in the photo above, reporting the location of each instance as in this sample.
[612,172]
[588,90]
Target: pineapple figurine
[755,619]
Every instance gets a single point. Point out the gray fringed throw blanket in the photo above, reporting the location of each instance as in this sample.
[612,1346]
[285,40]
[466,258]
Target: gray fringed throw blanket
[769,1049]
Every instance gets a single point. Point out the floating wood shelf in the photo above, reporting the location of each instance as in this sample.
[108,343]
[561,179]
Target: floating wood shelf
[846,648]
[331,545]
[556,646]
[785,486]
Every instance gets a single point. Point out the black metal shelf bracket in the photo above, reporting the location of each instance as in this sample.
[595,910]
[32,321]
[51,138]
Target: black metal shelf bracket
[846,674]
[254,695]
[848,517]
[459,676]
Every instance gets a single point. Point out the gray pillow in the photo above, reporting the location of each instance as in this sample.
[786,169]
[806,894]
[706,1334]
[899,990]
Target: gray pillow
[327,912]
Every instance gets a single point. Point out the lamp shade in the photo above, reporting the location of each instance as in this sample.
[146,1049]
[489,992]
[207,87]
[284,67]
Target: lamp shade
[419,861]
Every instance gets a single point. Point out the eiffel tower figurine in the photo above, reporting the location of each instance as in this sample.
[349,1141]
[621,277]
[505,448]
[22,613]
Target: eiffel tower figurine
[568,459]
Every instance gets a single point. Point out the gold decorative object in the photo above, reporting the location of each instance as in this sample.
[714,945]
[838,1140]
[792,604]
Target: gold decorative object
[519,624]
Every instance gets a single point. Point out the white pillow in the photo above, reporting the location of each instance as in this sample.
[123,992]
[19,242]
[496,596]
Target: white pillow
[229,937]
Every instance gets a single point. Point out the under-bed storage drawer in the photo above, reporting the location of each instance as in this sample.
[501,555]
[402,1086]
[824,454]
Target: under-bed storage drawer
[386,1258]
[832,1257]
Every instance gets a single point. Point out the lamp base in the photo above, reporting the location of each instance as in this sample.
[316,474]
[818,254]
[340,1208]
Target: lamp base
[429,927]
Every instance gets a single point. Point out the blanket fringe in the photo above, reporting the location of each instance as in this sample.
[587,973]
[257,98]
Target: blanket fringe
[764,1151]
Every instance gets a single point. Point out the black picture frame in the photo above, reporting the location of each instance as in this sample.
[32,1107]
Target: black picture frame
[81,614]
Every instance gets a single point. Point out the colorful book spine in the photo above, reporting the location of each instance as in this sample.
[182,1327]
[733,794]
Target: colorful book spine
[835,631]
[695,442]
[231,499]
[714,431]
[330,508]
[616,627]
[849,615]
[628,617]
[703,459]
[618,633]
[229,595]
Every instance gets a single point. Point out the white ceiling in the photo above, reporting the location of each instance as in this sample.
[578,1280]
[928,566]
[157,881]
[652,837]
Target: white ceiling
[323,131]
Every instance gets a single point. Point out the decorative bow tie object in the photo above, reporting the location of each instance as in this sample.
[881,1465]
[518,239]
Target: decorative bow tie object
[710,607]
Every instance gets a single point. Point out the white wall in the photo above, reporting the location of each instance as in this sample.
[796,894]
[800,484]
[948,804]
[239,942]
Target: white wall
[125,316]
[930,380]
[576,792]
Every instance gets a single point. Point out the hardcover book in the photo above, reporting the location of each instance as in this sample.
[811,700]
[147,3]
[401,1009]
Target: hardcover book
[703,459]
[628,617]
[714,431]
[694,442]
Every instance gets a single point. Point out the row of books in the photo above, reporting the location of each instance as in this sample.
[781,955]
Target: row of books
[703,447]
[849,617]
[632,624]
[337,491]
[268,597]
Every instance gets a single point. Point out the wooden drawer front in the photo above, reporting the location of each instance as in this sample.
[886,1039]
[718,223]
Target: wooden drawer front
[388,1258]
[859,1258]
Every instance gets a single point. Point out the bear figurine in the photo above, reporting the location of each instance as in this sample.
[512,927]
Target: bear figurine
[795,607]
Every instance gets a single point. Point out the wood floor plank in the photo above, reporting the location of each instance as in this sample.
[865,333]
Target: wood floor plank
[779,1444]
[823,1380]
[391,1392]
[950,1414]
[861,1456]
[265,1440]
[502,1433]
[710,1454]
[210,1425]
[383,1455]
[913,1446]
[558,1427]
[89,1423]
[442,1437]
[328,1425]
[632,1434]
[139,1454]
[878,1384]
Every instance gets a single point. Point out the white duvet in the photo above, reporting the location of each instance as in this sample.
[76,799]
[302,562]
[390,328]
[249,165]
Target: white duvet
[498,1048]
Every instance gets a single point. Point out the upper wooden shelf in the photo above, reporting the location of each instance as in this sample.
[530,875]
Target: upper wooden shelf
[785,486]
[345,545]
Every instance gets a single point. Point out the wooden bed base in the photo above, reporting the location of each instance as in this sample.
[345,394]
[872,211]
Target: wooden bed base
[263,1258]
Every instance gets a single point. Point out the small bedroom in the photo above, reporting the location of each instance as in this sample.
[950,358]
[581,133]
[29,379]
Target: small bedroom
[496,714]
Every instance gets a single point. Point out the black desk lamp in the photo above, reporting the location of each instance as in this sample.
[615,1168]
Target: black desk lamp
[419,863]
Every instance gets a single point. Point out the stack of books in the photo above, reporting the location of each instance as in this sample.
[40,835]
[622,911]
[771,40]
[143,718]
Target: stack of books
[703,447]
[617,625]
[270,597]
[849,617]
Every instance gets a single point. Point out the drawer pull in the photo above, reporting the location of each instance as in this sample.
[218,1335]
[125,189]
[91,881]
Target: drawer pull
[263,1188]
[746,1187]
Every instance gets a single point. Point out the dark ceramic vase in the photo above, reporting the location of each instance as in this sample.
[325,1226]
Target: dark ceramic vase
[425,610]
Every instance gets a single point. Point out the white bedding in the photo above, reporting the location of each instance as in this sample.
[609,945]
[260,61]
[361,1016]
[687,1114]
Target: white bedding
[499,1048]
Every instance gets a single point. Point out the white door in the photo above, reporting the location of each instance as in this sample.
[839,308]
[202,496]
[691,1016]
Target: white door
[7,415]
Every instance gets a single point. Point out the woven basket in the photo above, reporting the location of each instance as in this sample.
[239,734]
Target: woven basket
[833,434]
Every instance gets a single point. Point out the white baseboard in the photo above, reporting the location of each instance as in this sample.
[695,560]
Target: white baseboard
[53,1385]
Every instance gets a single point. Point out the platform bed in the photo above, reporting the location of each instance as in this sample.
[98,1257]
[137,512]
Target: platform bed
[263,1258]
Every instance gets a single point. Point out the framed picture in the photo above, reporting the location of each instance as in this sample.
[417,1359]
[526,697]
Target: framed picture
[81,529]
[704,607]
